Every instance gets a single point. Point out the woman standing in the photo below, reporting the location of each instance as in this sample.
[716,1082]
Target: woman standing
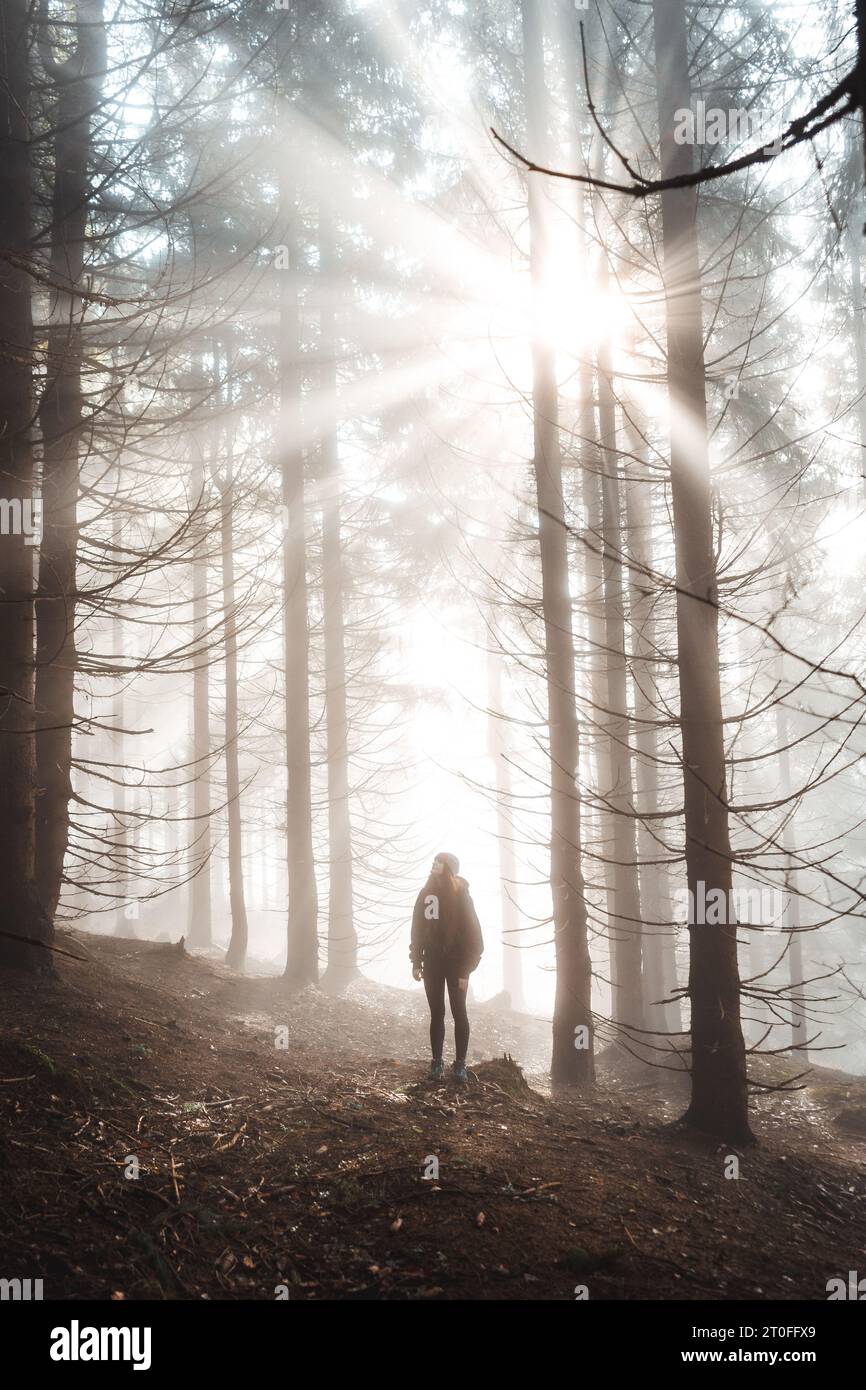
[445,948]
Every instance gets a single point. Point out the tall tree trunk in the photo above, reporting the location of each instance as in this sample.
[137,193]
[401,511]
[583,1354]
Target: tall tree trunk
[76,81]
[606,601]
[793,924]
[258,852]
[200,924]
[23,917]
[860,82]
[755,957]
[512,967]
[572,1057]
[661,1004]
[588,557]
[302,957]
[854,245]
[237,952]
[623,894]
[342,963]
[120,824]
[171,814]
[718,1064]
[598,819]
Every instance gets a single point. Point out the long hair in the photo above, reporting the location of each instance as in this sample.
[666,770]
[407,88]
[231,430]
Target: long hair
[446,888]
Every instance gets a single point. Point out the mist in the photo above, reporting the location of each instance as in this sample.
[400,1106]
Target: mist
[431,747]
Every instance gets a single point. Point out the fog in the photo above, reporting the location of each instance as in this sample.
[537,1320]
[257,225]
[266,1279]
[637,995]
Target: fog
[435,433]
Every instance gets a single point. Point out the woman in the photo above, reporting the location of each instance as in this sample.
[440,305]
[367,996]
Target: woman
[446,947]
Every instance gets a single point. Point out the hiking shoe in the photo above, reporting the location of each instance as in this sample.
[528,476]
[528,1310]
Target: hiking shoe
[459,1070]
[437,1069]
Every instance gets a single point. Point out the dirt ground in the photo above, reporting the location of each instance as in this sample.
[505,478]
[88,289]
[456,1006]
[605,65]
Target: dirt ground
[290,1145]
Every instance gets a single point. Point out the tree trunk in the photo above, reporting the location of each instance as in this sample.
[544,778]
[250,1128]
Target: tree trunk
[860,83]
[200,925]
[572,1059]
[512,966]
[718,1065]
[598,830]
[77,81]
[237,952]
[854,245]
[755,955]
[342,963]
[793,924]
[120,824]
[302,958]
[623,894]
[23,916]
[598,819]
[659,933]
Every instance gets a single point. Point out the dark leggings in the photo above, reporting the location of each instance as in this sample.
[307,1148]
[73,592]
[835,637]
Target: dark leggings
[436,976]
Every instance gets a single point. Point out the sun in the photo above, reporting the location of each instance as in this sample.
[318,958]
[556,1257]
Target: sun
[572,314]
[568,312]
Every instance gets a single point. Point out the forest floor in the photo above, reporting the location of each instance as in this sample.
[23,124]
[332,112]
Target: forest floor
[283,1140]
